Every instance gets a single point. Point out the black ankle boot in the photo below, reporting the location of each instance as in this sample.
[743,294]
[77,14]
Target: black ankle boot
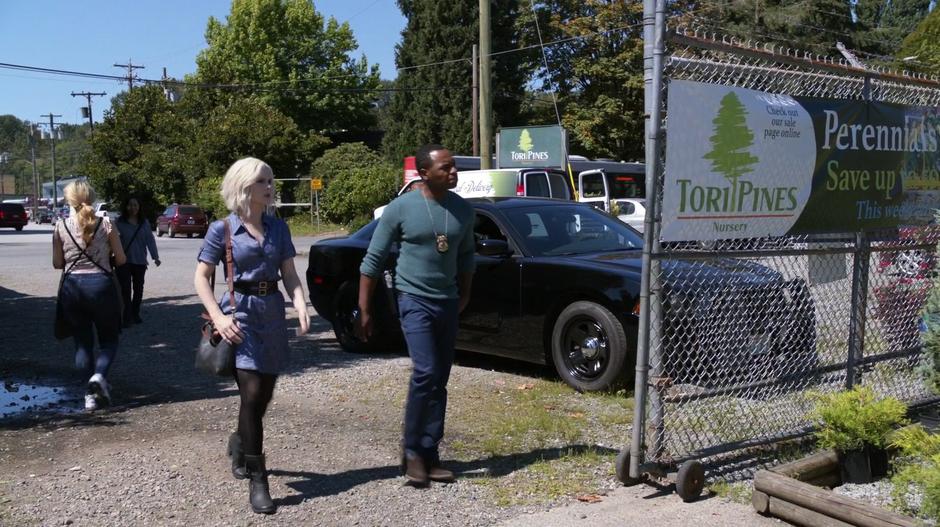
[258,493]
[238,456]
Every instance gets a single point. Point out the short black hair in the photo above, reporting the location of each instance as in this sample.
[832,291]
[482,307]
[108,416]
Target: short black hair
[423,156]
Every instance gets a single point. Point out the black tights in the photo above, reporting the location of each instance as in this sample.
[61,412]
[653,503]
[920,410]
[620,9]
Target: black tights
[256,390]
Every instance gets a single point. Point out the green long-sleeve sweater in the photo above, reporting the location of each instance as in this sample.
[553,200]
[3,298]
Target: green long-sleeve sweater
[421,270]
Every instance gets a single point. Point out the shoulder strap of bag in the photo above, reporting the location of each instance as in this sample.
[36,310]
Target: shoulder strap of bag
[129,242]
[229,265]
[82,249]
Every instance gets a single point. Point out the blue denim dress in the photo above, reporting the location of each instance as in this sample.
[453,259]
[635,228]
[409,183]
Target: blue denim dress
[261,318]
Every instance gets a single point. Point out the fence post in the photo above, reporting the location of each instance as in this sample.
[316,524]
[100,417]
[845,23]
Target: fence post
[653,34]
[860,267]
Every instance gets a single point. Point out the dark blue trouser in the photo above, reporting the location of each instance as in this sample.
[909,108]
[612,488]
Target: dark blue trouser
[430,328]
[132,275]
[90,304]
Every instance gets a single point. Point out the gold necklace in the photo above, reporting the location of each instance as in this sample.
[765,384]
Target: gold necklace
[442,245]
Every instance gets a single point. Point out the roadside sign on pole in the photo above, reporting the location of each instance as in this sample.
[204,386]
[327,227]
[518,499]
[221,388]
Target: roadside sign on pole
[316,184]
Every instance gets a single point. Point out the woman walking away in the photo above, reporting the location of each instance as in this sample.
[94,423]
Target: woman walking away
[82,245]
[262,252]
[136,239]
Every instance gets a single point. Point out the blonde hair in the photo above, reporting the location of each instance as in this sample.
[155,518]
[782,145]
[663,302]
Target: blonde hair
[237,181]
[80,196]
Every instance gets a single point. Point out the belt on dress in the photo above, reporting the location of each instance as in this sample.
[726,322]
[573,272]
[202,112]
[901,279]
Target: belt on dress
[262,288]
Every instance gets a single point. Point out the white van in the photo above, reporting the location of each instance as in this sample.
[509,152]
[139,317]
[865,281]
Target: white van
[502,182]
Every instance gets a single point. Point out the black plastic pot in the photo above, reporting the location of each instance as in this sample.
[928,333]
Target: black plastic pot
[855,466]
[878,461]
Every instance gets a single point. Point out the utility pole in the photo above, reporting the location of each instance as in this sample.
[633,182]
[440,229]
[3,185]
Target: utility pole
[475,107]
[52,134]
[131,76]
[87,109]
[31,137]
[486,102]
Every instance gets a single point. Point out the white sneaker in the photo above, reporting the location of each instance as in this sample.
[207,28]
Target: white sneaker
[98,386]
[90,402]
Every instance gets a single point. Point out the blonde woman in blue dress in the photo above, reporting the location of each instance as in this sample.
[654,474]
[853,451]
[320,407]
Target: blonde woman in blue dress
[263,253]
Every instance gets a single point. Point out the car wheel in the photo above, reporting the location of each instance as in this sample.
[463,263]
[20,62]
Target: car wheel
[171,232]
[344,321]
[19,228]
[911,264]
[189,235]
[159,232]
[589,347]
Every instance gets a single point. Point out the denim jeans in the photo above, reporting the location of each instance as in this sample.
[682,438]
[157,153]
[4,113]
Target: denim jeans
[430,328]
[129,274]
[90,304]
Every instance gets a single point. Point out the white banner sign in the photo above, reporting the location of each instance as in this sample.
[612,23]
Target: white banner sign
[739,163]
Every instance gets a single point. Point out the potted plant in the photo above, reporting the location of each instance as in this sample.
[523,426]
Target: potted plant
[856,423]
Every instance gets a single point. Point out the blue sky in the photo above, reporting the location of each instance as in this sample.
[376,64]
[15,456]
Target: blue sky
[92,35]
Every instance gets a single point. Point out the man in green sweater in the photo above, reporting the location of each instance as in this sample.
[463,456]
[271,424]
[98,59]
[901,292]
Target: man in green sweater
[433,275]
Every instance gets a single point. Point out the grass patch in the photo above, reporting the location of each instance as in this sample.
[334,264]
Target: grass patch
[300,225]
[514,420]
[736,491]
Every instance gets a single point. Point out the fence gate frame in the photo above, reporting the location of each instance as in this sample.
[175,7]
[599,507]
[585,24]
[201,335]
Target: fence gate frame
[648,452]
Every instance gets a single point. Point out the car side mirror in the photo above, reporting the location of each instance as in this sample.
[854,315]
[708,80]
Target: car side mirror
[493,248]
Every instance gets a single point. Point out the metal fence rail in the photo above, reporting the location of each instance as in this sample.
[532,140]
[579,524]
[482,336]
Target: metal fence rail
[741,331]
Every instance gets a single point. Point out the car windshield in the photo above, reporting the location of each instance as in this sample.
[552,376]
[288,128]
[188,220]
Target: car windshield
[571,229]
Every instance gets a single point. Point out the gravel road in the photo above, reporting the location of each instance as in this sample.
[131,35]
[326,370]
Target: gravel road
[332,432]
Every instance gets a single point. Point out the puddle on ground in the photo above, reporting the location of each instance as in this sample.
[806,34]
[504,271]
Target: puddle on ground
[17,398]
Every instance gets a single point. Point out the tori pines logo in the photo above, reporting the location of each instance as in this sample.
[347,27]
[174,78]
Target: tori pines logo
[731,157]
[527,150]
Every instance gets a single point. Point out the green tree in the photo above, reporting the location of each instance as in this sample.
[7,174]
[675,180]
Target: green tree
[301,63]
[357,181]
[433,103]
[924,45]
[596,73]
[732,138]
[883,24]
[811,25]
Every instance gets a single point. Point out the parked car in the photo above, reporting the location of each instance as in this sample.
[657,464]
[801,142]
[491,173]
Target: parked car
[558,282]
[13,215]
[182,219]
[632,211]
[43,215]
[107,210]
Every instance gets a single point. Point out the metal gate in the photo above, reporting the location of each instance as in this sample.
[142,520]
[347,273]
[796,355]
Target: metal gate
[734,334]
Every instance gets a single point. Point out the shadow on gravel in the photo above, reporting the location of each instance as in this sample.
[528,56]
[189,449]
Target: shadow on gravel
[316,485]
[154,363]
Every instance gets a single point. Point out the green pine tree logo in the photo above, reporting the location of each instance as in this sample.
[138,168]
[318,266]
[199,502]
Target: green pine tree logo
[525,141]
[729,155]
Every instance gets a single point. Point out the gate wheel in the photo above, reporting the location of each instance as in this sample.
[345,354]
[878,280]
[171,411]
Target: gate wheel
[622,464]
[690,481]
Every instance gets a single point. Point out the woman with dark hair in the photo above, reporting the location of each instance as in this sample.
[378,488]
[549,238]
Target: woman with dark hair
[136,239]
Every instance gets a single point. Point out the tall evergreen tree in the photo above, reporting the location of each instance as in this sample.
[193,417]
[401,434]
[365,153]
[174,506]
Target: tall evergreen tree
[433,103]
[923,44]
[810,25]
[883,24]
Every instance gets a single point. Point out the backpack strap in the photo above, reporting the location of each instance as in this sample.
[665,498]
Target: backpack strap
[82,249]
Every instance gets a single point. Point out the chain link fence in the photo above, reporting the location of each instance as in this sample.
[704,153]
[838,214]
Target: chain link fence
[741,331]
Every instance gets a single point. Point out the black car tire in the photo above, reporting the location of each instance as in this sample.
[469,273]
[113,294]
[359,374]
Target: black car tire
[19,228]
[344,323]
[171,232]
[189,235]
[159,232]
[581,321]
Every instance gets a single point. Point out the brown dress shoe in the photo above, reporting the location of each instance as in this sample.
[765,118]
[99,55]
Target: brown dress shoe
[415,471]
[441,475]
